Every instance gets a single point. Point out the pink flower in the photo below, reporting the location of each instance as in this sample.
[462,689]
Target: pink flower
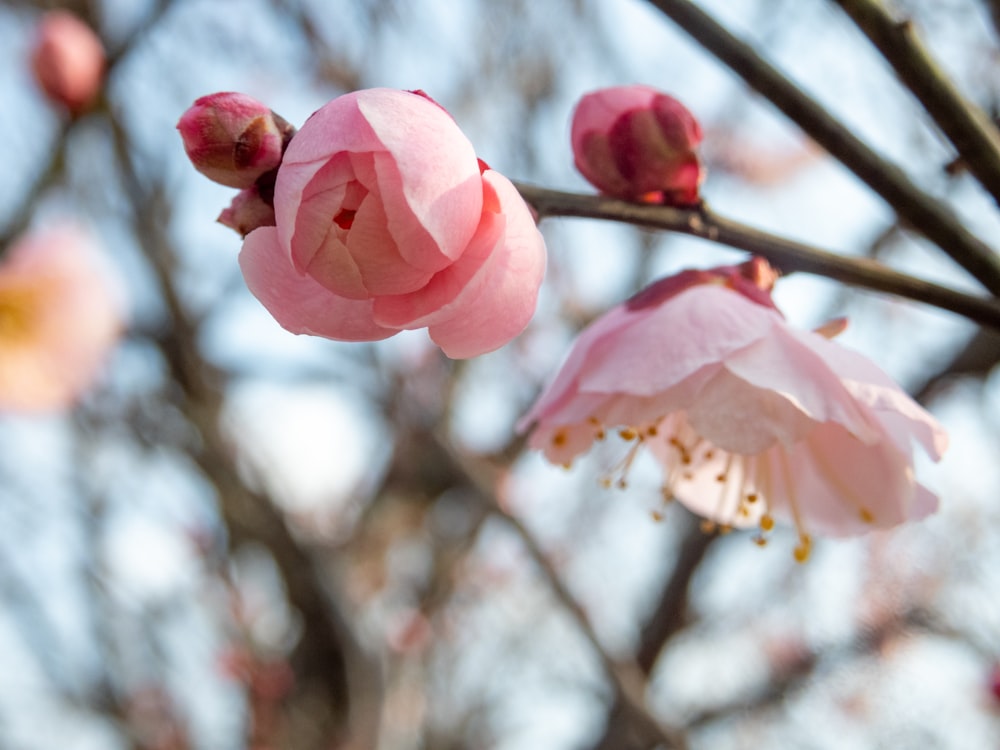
[233,139]
[751,420]
[59,319]
[68,60]
[385,222]
[636,143]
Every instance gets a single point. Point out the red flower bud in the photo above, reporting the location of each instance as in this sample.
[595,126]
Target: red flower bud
[68,61]
[636,143]
[233,139]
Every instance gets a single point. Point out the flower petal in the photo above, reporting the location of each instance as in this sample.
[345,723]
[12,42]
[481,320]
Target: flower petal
[297,301]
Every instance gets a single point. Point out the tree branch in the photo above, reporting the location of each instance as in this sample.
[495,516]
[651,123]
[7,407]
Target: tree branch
[914,207]
[968,128]
[789,256]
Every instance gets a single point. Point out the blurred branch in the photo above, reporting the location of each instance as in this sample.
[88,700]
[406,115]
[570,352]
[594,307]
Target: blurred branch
[789,256]
[628,681]
[327,656]
[975,138]
[915,208]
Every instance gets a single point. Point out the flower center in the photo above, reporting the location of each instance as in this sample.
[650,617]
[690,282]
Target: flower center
[729,489]
[17,314]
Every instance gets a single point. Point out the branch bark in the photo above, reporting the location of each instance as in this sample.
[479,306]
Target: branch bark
[968,128]
[785,254]
[913,206]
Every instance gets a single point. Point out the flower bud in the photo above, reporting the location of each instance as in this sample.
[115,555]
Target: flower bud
[636,143]
[68,61]
[233,139]
[247,212]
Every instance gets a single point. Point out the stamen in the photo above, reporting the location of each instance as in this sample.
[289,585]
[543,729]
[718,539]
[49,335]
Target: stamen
[627,433]
[866,515]
[560,438]
[801,552]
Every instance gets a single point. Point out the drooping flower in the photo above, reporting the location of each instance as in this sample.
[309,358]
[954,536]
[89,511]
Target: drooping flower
[636,143]
[751,420]
[60,315]
[233,139]
[68,60]
[385,221]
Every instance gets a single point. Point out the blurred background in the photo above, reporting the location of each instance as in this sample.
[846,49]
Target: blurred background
[240,538]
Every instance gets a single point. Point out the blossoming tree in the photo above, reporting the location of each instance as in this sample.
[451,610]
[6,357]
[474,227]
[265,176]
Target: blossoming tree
[499,375]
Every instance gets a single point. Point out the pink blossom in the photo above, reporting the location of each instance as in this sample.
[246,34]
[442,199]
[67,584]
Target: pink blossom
[68,60]
[385,222]
[59,319]
[751,419]
[233,139]
[636,143]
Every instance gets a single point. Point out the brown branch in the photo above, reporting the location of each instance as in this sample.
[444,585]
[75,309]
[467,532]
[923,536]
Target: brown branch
[626,678]
[787,255]
[968,128]
[333,671]
[914,207]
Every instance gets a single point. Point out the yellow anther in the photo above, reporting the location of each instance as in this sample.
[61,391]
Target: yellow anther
[866,515]
[599,435]
[801,552]
[594,421]
[720,477]
[627,433]
[652,431]
[560,438]
[567,466]
[725,529]
[707,526]
[605,482]
[621,483]
[657,515]
[752,497]
[766,522]
[760,541]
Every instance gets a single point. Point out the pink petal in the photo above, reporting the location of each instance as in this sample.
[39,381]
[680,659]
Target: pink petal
[700,326]
[297,301]
[782,364]
[499,301]
[430,183]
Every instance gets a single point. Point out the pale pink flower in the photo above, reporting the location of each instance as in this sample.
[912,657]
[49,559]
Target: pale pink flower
[636,143]
[68,60]
[751,419]
[386,222]
[233,139]
[60,316]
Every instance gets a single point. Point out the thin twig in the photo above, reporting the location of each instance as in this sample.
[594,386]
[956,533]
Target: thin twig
[967,127]
[915,208]
[787,255]
[626,677]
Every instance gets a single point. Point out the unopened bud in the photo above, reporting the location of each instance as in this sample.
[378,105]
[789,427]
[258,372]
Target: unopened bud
[233,139]
[68,61]
[636,143]
[247,212]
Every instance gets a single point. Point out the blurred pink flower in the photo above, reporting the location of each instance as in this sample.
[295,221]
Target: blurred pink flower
[233,139]
[636,143]
[751,420]
[59,318]
[385,222]
[68,60]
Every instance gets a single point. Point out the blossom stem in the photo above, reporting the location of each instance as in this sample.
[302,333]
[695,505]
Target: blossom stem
[789,256]
[915,208]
